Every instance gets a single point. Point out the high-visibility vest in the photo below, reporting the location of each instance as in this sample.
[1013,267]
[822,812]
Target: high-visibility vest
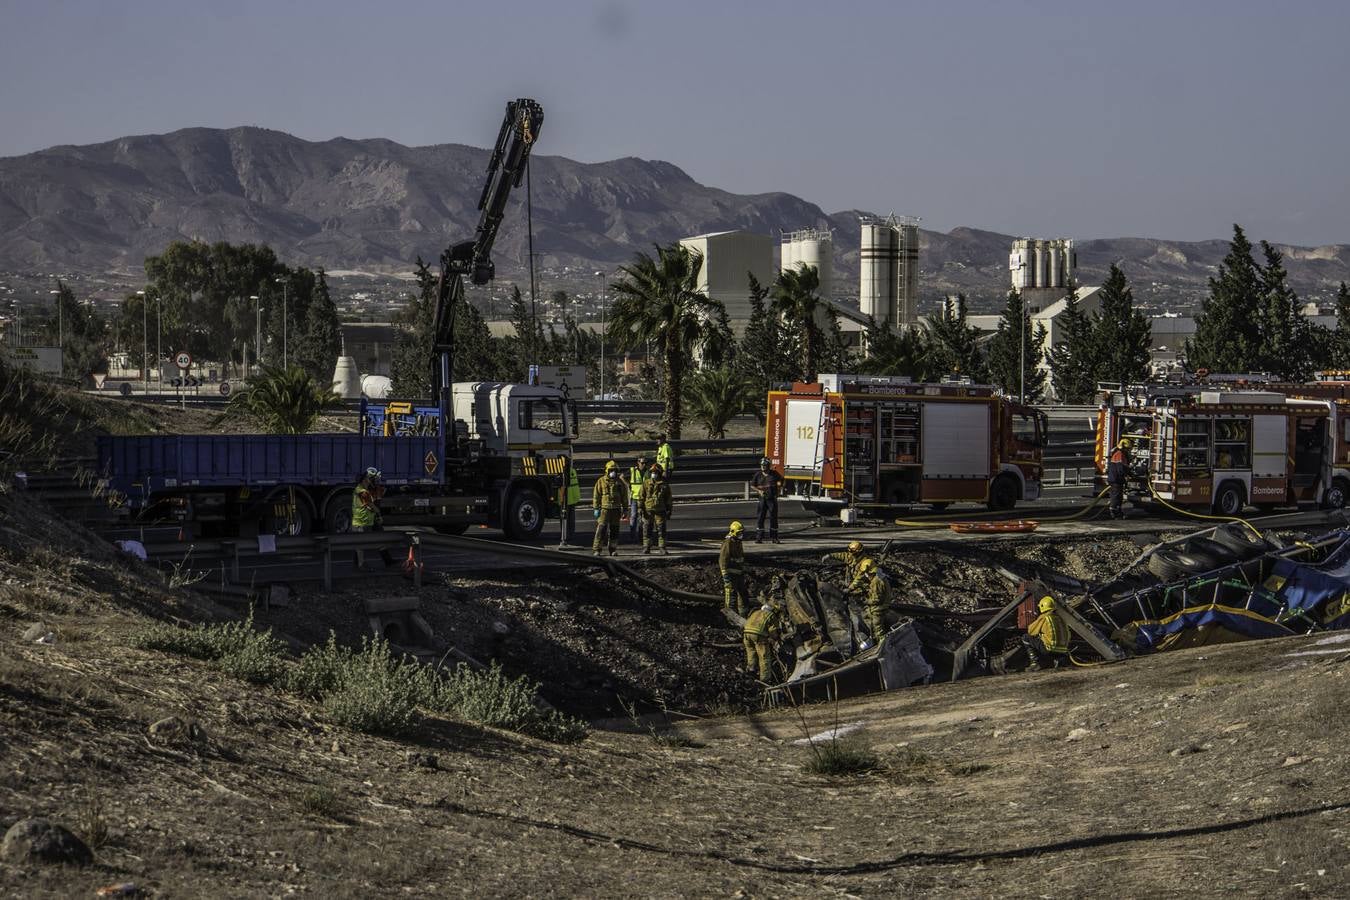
[363,507]
[665,458]
[635,482]
[573,487]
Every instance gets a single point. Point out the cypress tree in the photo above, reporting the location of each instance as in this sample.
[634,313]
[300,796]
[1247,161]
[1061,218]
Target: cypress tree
[1122,335]
[1016,350]
[1228,329]
[955,342]
[1287,340]
[1073,362]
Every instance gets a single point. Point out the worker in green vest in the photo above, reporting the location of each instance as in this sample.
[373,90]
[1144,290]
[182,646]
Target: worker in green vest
[366,511]
[569,498]
[665,455]
[636,475]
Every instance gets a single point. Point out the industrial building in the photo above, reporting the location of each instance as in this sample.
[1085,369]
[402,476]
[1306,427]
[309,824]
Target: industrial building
[888,279]
[728,257]
[1042,269]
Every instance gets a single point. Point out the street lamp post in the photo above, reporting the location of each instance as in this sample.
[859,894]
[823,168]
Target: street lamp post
[257,345]
[145,345]
[159,342]
[60,334]
[601,277]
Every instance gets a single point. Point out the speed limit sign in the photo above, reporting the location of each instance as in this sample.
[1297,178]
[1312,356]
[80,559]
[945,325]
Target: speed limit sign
[183,360]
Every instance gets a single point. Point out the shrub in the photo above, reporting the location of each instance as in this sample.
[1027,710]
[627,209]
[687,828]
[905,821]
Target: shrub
[368,691]
[838,758]
[239,649]
[490,698]
[321,801]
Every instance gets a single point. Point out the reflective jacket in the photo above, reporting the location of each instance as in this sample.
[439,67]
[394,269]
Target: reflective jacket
[1052,631]
[573,487]
[363,506]
[1117,467]
[764,623]
[609,493]
[665,458]
[851,562]
[635,480]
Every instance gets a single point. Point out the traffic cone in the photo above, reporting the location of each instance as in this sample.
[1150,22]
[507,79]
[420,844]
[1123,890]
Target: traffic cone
[411,564]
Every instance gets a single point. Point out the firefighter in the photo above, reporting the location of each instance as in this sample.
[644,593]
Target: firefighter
[366,512]
[656,508]
[851,558]
[665,456]
[732,563]
[609,499]
[767,484]
[1117,471]
[761,636]
[636,475]
[876,592]
[569,498]
[1047,637]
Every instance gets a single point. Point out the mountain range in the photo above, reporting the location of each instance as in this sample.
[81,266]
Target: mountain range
[376,205]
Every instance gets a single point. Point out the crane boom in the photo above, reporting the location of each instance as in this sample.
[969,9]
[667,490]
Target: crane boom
[505,170]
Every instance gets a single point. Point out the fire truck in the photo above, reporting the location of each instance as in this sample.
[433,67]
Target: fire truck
[1225,449]
[873,444]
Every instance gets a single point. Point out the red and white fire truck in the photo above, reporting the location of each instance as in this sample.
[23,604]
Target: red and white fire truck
[875,443]
[1225,449]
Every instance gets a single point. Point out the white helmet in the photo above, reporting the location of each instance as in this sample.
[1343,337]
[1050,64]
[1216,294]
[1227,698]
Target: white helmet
[373,474]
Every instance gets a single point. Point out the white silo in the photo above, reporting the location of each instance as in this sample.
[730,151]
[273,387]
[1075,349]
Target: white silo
[1056,273]
[1021,264]
[1042,265]
[812,247]
[879,271]
[1070,262]
[907,304]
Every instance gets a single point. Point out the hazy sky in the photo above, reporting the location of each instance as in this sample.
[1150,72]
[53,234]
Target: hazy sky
[1085,119]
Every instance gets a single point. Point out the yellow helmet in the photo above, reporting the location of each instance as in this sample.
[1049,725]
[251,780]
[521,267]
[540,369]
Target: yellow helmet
[1125,443]
[1046,604]
[737,529]
[855,546]
[611,464]
[867,566]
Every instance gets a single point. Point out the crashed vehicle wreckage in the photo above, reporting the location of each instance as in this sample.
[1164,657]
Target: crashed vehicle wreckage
[1218,585]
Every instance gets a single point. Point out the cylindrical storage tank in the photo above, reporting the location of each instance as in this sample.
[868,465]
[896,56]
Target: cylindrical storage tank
[376,387]
[788,262]
[1042,266]
[1070,263]
[1056,274]
[878,267]
[907,305]
[346,380]
[818,254]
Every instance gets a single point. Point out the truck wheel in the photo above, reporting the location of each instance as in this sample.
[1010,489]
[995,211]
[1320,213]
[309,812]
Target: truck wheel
[337,514]
[524,516]
[1229,500]
[1002,493]
[1336,495]
[275,521]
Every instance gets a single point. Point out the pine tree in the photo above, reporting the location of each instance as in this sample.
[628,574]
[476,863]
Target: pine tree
[410,371]
[1287,340]
[1228,329]
[956,350]
[82,334]
[1016,350]
[906,351]
[764,354]
[1073,362]
[1340,344]
[319,343]
[1122,336]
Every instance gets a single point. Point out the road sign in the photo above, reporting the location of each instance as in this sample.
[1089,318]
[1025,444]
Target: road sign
[183,360]
[568,378]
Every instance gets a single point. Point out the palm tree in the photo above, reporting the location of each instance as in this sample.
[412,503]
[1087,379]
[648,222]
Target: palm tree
[794,298]
[282,401]
[659,305]
[716,396]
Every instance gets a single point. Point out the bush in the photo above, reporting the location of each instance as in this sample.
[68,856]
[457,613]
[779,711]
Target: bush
[838,758]
[240,650]
[490,698]
[368,691]
[322,801]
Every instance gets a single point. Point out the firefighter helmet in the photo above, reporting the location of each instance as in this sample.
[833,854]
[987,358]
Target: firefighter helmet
[1046,604]
[867,566]
[855,546]
[736,530]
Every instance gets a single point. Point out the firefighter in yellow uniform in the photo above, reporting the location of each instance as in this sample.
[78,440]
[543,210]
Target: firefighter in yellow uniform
[731,561]
[876,598]
[1047,637]
[761,636]
[656,507]
[851,558]
[610,501]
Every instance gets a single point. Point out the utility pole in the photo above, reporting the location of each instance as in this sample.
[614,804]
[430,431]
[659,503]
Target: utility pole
[1021,351]
[145,343]
[159,342]
[60,334]
[285,321]
[529,233]
[601,277]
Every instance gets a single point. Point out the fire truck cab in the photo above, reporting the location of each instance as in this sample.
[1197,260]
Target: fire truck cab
[875,443]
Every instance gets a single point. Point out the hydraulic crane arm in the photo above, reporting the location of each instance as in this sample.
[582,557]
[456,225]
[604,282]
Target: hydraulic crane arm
[506,169]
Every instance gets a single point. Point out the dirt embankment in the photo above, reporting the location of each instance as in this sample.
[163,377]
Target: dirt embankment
[1192,773]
